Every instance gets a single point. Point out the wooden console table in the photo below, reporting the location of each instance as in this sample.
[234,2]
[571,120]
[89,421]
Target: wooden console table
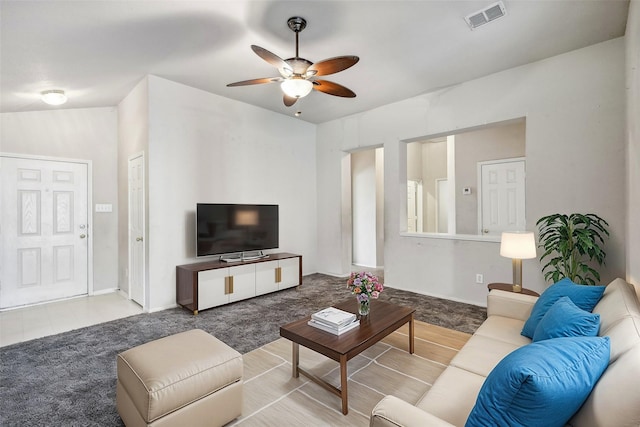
[209,284]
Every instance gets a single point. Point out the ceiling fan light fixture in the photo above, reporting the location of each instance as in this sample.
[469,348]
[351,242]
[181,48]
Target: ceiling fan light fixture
[296,87]
[53,97]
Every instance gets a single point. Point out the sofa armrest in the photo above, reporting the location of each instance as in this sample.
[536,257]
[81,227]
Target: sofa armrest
[394,412]
[510,304]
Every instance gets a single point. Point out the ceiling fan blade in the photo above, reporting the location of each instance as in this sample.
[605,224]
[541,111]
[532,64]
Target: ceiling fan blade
[256,81]
[332,65]
[289,100]
[271,58]
[332,88]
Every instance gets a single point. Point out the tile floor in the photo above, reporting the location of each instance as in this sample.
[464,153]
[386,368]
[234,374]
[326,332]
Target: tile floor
[24,324]
[52,318]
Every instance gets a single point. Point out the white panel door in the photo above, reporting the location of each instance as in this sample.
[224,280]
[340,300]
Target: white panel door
[136,230]
[503,197]
[412,206]
[45,232]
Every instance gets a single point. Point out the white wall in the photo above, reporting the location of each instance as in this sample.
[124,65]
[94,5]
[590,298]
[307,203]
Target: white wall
[83,134]
[206,148]
[575,147]
[632,38]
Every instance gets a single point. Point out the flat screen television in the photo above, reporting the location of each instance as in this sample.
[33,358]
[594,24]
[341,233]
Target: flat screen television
[232,228]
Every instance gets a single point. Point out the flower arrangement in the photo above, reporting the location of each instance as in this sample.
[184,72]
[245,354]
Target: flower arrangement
[365,286]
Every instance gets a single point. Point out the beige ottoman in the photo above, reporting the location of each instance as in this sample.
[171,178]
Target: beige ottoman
[187,379]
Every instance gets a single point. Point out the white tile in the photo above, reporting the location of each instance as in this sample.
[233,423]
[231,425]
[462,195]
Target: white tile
[61,316]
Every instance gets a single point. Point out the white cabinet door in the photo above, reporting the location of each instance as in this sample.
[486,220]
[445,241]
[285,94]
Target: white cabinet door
[266,277]
[244,282]
[211,288]
[290,273]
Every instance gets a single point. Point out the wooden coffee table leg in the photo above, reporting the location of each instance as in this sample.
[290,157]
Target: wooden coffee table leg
[295,359]
[343,384]
[411,335]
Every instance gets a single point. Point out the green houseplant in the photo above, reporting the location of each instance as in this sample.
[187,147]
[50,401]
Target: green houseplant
[571,244]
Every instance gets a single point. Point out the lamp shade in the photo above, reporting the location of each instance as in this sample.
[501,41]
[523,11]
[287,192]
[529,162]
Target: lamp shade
[520,245]
[296,87]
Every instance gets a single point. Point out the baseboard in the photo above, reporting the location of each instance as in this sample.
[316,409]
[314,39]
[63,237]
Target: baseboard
[105,291]
[447,297]
[334,274]
[156,309]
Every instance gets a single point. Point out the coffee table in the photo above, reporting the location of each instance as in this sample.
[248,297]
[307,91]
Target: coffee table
[383,319]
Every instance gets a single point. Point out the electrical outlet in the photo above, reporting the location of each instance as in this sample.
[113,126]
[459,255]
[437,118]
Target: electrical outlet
[479,278]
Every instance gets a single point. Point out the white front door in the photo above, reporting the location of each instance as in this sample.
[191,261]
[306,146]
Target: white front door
[502,206]
[45,235]
[136,229]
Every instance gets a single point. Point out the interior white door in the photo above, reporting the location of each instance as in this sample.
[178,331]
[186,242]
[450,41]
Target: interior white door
[136,229]
[412,206]
[503,197]
[45,236]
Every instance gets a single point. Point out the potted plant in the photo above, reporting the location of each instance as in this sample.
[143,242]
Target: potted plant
[571,243]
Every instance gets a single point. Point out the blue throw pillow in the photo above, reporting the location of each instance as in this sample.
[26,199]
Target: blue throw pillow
[585,297]
[541,384]
[565,319]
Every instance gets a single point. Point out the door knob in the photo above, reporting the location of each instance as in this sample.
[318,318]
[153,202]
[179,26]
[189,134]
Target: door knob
[485,231]
[138,239]
[82,236]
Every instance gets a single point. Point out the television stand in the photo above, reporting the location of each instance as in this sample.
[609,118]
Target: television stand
[243,257]
[210,284]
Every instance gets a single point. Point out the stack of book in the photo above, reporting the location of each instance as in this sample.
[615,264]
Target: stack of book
[334,320]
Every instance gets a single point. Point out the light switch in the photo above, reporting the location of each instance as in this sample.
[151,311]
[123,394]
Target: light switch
[104,207]
[466,191]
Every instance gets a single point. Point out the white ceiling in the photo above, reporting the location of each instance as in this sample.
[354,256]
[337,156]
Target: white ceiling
[98,50]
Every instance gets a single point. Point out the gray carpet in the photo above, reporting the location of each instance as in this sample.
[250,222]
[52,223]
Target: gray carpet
[69,379]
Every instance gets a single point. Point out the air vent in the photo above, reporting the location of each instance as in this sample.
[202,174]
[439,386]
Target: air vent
[486,15]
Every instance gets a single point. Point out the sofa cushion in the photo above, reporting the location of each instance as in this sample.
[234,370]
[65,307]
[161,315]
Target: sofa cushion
[619,300]
[585,297]
[565,319]
[503,329]
[541,384]
[481,354]
[452,396]
[614,401]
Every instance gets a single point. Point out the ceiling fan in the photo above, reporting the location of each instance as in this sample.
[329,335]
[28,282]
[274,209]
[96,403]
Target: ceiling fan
[298,76]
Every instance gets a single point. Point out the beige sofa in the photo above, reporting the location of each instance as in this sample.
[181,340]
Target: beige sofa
[615,400]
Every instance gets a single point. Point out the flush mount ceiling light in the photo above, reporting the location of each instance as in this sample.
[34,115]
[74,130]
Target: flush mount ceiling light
[53,97]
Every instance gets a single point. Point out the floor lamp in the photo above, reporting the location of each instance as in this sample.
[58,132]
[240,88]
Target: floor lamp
[518,245]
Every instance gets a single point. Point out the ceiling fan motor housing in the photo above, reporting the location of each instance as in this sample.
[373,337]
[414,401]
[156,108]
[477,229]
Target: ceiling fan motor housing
[297,24]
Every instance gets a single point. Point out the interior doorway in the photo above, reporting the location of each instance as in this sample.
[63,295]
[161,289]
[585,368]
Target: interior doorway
[137,249]
[367,207]
[45,229]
